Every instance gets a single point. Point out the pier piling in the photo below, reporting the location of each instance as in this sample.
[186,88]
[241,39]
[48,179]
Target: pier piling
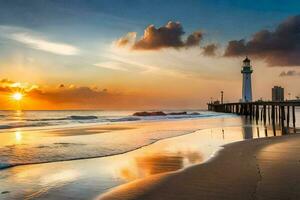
[275,112]
[288,117]
[282,113]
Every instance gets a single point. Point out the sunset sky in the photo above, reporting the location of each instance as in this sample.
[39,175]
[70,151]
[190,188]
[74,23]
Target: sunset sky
[142,54]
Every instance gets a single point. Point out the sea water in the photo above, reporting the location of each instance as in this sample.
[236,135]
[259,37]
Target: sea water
[28,137]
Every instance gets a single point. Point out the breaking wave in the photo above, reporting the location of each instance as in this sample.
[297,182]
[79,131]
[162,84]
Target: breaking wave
[54,118]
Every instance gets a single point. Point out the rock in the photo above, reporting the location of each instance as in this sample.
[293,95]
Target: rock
[177,113]
[5,192]
[145,114]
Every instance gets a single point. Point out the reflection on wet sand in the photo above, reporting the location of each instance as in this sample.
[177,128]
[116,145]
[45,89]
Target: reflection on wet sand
[149,164]
[172,154]
[251,130]
[248,132]
[86,131]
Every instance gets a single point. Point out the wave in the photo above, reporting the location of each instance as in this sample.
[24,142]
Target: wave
[90,155]
[69,119]
[48,119]
[6,165]
[125,119]
[42,122]
[17,125]
[72,117]
[82,117]
[5,126]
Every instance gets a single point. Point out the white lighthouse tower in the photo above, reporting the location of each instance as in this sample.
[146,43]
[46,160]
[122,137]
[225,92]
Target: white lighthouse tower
[247,87]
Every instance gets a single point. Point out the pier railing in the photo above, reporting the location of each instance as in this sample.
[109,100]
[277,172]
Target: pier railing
[275,112]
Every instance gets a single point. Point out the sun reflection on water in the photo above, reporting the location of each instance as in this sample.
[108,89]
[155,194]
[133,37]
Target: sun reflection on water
[18,136]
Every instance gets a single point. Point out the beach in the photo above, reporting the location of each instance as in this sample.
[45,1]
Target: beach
[265,168]
[88,160]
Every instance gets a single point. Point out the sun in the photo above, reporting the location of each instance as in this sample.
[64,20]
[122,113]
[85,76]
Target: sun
[17,96]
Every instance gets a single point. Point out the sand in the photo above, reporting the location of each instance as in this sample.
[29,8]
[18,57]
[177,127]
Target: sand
[267,168]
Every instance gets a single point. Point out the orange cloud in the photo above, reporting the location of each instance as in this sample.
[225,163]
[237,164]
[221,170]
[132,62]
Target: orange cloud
[125,40]
[11,86]
[63,96]
[68,97]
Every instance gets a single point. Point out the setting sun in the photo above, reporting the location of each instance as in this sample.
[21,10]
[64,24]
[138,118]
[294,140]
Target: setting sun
[17,96]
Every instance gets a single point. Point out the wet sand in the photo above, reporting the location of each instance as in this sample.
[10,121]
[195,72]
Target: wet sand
[266,168]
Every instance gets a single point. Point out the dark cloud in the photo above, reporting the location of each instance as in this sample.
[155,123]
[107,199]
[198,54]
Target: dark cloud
[209,50]
[194,39]
[168,36]
[289,73]
[280,47]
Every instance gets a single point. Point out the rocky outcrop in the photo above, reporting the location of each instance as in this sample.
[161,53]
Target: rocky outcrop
[160,113]
[144,114]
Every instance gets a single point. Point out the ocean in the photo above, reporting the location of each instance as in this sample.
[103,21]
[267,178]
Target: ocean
[30,119]
[83,154]
[29,137]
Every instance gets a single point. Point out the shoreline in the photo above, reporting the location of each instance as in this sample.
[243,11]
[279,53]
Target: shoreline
[98,157]
[106,128]
[212,179]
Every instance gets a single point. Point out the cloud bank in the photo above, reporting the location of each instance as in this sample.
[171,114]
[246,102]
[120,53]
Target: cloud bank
[209,50]
[168,36]
[289,73]
[280,47]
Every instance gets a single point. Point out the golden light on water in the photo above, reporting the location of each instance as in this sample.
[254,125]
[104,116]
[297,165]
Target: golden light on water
[17,96]
[18,136]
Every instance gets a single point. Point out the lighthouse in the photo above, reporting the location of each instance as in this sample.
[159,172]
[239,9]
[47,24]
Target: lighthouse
[247,87]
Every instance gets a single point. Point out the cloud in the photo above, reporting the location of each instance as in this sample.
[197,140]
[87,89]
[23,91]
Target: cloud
[120,61]
[209,50]
[64,96]
[280,47]
[194,39]
[45,45]
[71,95]
[61,95]
[168,36]
[111,65]
[289,73]
[127,39]
[9,86]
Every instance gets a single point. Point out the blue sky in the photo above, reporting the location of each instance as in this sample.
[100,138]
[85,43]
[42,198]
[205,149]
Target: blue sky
[223,20]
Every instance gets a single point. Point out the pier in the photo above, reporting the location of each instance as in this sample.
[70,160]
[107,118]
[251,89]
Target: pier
[282,113]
